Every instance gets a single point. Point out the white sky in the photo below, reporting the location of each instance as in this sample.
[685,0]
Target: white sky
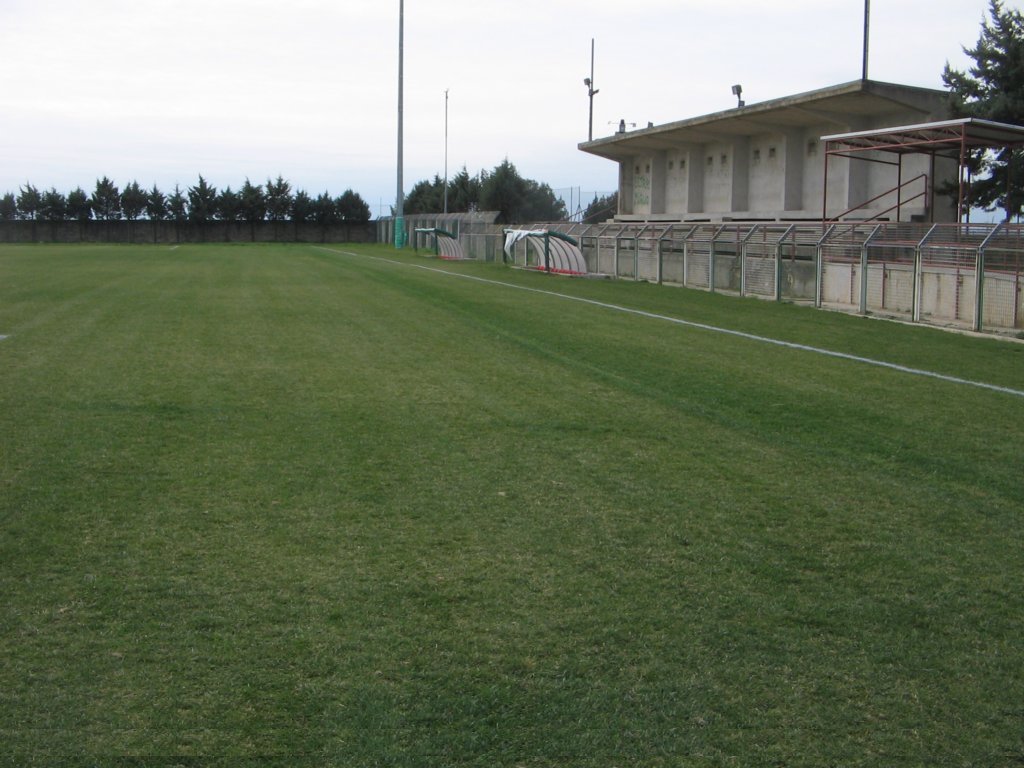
[163,90]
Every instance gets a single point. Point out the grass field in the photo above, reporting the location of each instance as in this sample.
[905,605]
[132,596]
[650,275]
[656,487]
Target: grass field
[283,505]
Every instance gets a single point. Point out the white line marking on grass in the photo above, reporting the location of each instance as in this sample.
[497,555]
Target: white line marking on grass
[705,327]
[2,338]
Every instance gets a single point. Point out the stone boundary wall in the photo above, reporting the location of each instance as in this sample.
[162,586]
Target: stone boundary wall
[168,233]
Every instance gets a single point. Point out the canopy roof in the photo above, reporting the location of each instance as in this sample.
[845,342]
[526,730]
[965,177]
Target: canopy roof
[947,137]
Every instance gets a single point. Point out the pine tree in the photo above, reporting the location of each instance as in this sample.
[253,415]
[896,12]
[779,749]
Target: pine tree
[229,205]
[202,202]
[993,89]
[133,201]
[601,209]
[254,205]
[177,206]
[79,209]
[426,197]
[324,210]
[106,200]
[29,201]
[53,206]
[156,208]
[352,209]
[279,199]
[8,207]
[156,204]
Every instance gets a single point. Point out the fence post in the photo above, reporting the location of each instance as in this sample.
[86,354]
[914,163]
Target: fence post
[686,259]
[916,298]
[711,264]
[636,257]
[778,271]
[741,252]
[819,267]
[864,279]
[979,290]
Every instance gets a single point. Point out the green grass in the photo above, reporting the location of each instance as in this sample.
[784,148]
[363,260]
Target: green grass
[265,505]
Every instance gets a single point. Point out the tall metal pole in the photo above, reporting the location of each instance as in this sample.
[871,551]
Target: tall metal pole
[400,197]
[867,29]
[446,150]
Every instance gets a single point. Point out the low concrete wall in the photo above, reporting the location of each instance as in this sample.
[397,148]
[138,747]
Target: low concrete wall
[947,295]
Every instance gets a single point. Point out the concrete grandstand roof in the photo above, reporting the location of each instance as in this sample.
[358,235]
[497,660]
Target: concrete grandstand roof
[839,105]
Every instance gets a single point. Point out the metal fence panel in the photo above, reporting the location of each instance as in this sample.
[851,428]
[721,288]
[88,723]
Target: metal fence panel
[698,268]
[625,259]
[672,263]
[647,261]
[1002,300]
[947,285]
[797,279]
[840,275]
[759,275]
[924,272]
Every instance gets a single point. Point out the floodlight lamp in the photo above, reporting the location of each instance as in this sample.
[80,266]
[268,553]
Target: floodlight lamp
[737,90]
[586,81]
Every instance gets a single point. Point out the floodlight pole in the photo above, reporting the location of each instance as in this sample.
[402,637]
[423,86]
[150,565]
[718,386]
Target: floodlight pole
[400,197]
[446,150]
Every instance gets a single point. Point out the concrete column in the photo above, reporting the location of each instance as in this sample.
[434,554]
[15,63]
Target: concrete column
[856,171]
[856,182]
[695,170]
[626,186]
[658,173]
[793,191]
[740,175]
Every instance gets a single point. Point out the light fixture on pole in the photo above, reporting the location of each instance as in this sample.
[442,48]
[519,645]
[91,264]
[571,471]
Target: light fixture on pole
[589,82]
[737,91]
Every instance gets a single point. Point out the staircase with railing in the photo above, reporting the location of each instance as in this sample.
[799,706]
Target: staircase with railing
[900,201]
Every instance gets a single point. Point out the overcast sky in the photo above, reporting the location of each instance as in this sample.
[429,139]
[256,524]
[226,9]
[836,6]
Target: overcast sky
[163,90]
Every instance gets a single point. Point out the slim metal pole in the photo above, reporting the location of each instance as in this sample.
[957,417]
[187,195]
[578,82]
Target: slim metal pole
[964,177]
[446,150]
[590,130]
[400,196]
[864,278]
[867,28]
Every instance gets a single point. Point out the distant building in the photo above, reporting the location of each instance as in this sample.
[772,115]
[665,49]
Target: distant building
[766,161]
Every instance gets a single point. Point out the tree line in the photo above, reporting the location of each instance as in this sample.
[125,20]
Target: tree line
[503,189]
[601,208]
[198,204]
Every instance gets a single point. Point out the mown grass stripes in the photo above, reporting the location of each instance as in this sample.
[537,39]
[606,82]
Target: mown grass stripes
[268,504]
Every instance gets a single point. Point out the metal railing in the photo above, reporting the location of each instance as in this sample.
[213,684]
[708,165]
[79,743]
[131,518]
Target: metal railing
[960,275]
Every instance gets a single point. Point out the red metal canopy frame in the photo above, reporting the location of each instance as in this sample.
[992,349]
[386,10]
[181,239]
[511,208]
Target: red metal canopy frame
[953,139]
